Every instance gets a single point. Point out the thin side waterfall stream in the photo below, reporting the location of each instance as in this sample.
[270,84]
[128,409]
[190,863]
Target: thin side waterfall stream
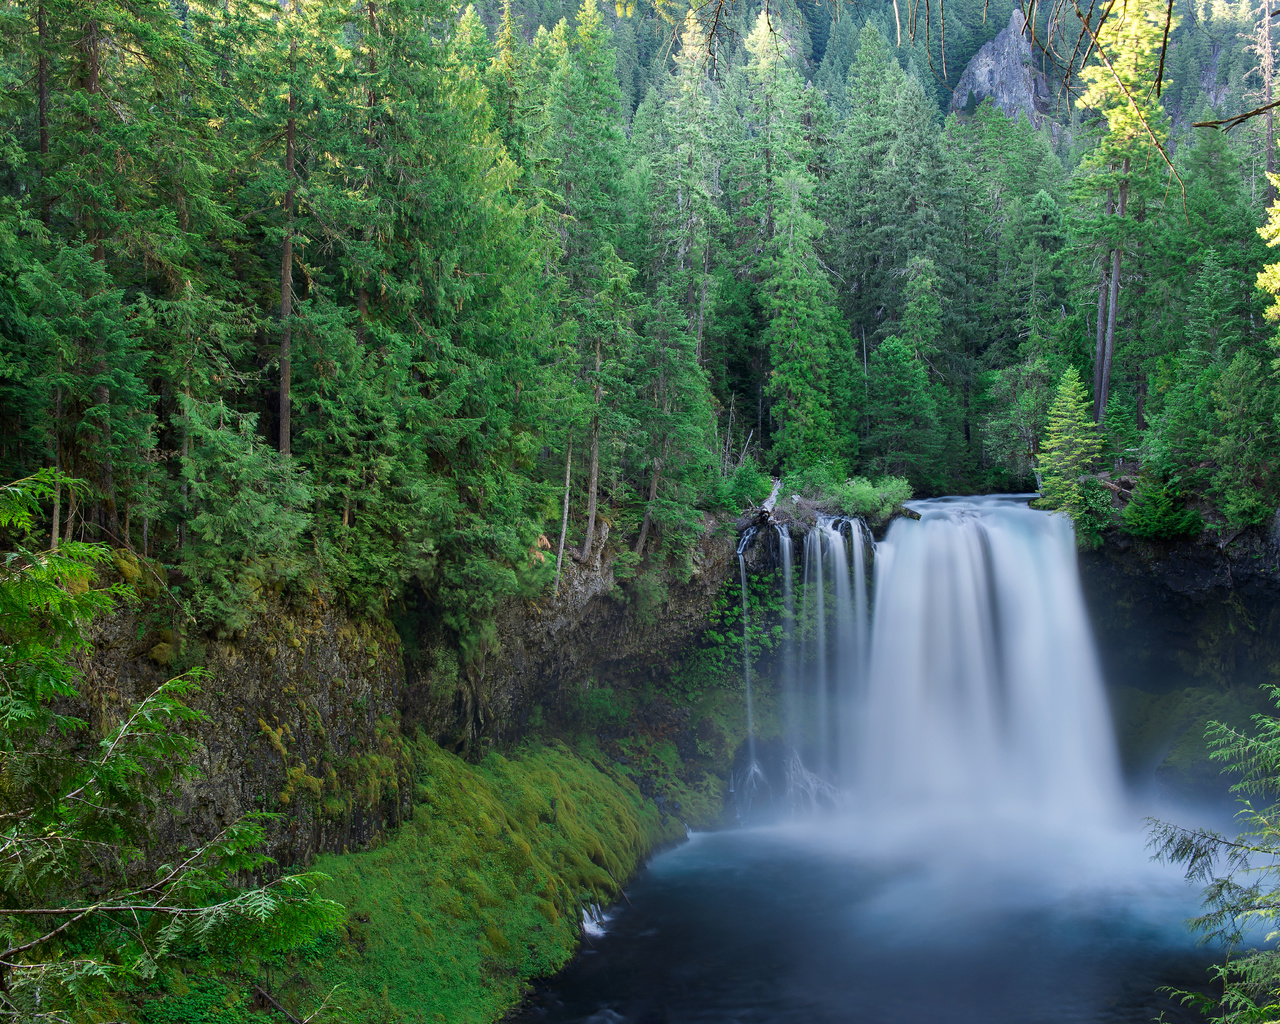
[938,829]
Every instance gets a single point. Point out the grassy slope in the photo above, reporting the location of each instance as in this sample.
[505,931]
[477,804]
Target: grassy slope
[483,889]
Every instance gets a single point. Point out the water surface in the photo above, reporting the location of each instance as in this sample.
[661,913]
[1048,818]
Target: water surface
[802,924]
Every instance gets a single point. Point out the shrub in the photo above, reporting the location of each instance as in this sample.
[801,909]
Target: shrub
[1156,511]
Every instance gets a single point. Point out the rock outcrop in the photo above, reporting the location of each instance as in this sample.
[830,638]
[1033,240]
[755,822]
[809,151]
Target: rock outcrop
[310,713]
[599,627]
[1004,71]
[299,718]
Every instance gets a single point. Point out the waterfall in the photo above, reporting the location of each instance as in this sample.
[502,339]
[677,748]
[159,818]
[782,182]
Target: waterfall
[972,682]
[833,642]
[815,647]
[983,686]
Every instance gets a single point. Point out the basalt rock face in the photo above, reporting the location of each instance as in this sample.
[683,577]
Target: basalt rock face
[598,628]
[309,712]
[1004,71]
[1188,632]
[300,718]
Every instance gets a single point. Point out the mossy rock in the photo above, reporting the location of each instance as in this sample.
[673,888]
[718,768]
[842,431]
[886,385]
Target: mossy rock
[126,563]
[163,653]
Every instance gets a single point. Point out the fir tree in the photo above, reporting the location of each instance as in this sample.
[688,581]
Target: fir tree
[1070,448]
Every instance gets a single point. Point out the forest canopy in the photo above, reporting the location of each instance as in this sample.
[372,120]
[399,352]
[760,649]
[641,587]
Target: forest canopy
[375,301]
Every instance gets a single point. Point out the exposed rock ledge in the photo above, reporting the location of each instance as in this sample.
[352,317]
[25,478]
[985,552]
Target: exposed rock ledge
[1003,71]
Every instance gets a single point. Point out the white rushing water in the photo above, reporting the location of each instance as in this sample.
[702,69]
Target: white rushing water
[972,682]
[983,686]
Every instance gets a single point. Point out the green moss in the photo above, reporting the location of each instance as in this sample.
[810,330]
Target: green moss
[1164,733]
[482,890]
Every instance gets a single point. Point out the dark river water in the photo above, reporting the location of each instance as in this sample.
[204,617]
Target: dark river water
[818,924]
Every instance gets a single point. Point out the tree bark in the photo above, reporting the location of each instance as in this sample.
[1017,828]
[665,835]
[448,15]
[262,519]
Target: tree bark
[57,466]
[108,519]
[1266,66]
[564,518]
[702,300]
[653,494]
[42,107]
[1114,303]
[1100,347]
[593,486]
[286,262]
[362,293]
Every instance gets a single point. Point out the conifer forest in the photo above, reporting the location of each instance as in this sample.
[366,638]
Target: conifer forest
[398,313]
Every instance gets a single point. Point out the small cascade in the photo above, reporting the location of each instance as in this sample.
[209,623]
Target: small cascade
[833,627]
[746,649]
[807,792]
[814,612]
[747,787]
[790,710]
[844,670]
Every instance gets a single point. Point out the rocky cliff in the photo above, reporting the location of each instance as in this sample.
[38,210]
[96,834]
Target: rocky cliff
[1189,632]
[308,714]
[598,627]
[1004,71]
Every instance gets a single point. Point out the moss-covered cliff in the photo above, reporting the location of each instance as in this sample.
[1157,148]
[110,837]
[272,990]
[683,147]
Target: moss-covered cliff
[464,867]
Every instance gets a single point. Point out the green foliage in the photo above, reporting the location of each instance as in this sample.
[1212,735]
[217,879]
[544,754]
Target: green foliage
[484,888]
[1094,513]
[83,916]
[247,510]
[1240,874]
[575,241]
[747,486]
[1246,448]
[1157,511]
[1069,450]
[905,436]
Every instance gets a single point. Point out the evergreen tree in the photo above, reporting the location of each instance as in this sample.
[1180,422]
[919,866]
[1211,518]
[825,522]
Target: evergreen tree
[1120,177]
[905,431]
[1070,448]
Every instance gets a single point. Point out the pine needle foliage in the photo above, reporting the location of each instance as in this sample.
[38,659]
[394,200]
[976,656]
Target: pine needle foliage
[1241,875]
[1157,511]
[1070,449]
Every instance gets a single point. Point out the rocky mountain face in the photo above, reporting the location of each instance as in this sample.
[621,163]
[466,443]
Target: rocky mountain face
[1004,71]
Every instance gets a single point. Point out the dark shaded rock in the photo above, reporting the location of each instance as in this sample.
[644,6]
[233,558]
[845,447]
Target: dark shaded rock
[307,729]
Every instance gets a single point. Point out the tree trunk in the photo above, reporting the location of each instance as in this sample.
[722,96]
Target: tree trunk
[108,519]
[362,293]
[42,107]
[286,263]
[564,518]
[1266,66]
[702,300]
[1100,347]
[653,494]
[1114,304]
[593,486]
[1100,344]
[57,466]
[592,501]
